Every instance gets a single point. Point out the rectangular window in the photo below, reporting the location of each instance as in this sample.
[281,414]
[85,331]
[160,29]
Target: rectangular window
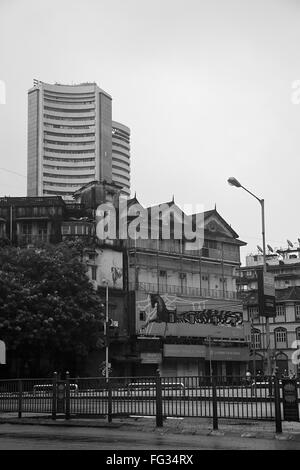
[42,231]
[66,229]
[280,337]
[253,312]
[297,312]
[256,344]
[280,310]
[26,231]
[142,315]
[94,273]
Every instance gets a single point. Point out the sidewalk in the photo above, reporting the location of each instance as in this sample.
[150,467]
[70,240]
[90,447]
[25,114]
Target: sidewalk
[193,426]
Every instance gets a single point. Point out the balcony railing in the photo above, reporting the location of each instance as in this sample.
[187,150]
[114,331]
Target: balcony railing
[173,247]
[182,290]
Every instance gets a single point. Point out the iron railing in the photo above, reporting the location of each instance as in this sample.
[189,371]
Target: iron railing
[188,397]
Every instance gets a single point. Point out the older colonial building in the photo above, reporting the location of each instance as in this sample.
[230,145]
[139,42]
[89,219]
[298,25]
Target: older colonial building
[186,317]
[31,220]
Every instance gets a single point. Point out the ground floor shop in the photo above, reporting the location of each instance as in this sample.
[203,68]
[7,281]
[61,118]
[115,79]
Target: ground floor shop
[186,360]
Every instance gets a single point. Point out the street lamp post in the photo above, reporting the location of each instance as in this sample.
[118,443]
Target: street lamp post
[234,182]
[105,331]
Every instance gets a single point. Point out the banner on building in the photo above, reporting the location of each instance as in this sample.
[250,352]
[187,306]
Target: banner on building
[266,294]
[170,315]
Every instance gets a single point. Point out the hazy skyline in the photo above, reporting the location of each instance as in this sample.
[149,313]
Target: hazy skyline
[205,87]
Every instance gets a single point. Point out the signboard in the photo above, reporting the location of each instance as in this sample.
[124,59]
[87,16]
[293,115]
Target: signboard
[150,358]
[266,294]
[227,354]
[2,353]
[110,267]
[290,400]
[184,350]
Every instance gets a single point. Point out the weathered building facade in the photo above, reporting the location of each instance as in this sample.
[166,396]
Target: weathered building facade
[174,306]
[285,327]
[186,317]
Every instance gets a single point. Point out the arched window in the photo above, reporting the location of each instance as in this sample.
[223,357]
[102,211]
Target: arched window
[256,363]
[298,333]
[282,363]
[280,337]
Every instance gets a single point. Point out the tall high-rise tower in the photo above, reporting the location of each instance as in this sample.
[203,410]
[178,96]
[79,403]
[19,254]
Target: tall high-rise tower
[69,138]
[121,156]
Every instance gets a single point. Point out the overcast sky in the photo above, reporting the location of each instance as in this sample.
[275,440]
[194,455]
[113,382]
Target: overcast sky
[204,85]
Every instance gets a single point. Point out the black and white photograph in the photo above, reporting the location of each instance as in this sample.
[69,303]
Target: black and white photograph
[149,242]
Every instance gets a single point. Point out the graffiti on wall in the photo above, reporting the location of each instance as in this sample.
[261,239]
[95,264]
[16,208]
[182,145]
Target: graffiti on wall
[172,309]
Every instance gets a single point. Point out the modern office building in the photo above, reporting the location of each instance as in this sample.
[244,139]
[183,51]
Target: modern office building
[69,138]
[121,156]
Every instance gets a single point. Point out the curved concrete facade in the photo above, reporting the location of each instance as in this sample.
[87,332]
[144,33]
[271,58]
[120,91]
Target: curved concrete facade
[69,138]
[121,156]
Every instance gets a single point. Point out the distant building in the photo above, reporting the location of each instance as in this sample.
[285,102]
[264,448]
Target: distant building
[285,327]
[121,156]
[31,220]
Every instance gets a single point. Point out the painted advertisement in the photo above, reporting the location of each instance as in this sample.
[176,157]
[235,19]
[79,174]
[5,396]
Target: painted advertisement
[169,315]
[110,267]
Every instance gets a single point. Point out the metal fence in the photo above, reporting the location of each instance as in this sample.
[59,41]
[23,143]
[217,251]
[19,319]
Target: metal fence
[26,396]
[189,397]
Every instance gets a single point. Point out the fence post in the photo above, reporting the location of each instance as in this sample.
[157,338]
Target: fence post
[215,407]
[67,395]
[109,403]
[54,395]
[19,398]
[277,405]
[159,413]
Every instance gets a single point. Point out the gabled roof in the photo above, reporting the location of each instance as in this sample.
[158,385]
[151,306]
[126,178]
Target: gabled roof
[214,214]
[228,232]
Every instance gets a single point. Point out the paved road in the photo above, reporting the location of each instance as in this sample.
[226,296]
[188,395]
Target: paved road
[23,437]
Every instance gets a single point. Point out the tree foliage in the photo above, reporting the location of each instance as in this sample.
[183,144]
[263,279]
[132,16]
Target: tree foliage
[48,307]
